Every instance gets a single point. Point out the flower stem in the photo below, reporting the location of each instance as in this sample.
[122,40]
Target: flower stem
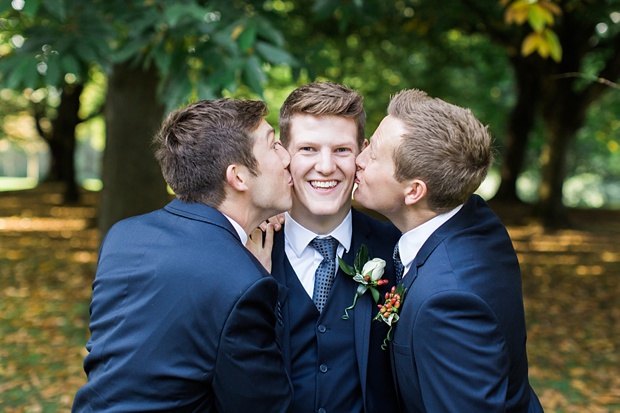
[346,310]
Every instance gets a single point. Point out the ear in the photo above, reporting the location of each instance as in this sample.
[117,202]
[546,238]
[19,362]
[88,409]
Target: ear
[415,191]
[236,177]
[364,145]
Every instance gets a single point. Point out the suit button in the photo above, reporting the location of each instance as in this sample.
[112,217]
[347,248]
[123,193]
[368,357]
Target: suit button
[322,328]
[323,368]
[322,410]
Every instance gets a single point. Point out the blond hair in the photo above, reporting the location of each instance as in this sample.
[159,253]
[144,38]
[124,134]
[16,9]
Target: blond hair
[444,145]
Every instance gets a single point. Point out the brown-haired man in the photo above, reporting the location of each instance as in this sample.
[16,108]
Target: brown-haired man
[182,315]
[335,364]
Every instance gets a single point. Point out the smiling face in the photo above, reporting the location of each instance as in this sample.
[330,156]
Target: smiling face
[271,188]
[377,187]
[323,151]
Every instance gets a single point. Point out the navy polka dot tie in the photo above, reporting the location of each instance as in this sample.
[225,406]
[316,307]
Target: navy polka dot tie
[324,275]
[398,264]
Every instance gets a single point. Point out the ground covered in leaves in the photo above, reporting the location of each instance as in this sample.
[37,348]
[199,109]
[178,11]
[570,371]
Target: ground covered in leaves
[48,256]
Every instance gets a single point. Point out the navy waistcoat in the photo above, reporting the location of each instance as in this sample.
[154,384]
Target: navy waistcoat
[321,348]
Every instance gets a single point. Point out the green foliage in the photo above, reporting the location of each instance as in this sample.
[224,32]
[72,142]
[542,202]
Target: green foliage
[59,37]
[199,48]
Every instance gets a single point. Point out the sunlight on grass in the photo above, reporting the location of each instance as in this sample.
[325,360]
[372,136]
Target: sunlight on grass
[92,184]
[10,183]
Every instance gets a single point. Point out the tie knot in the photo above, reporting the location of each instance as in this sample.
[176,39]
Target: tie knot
[396,254]
[326,247]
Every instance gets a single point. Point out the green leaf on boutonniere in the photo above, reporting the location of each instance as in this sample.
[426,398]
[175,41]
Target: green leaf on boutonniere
[375,295]
[361,258]
[346,268]
[367,273]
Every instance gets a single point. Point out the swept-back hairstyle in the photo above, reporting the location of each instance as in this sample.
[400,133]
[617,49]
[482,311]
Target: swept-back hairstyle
[197,143]
[443,144]
[323,99]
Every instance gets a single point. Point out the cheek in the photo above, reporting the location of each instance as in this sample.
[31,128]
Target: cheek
[298,167]
[348,167]
[381,177]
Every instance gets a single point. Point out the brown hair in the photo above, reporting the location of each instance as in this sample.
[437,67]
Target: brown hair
[197,143]
[323,99]
[443,144]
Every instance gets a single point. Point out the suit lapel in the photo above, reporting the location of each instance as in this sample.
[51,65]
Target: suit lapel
[363,308]
[280,268]
[460,220]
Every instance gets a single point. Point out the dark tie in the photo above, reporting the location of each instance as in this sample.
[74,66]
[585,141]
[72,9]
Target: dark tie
[398,264]
[324,275]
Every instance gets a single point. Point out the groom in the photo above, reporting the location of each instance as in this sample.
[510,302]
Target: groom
[459,345]
[336,364]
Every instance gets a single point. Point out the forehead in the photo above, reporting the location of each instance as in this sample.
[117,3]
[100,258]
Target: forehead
[388,133]
[323,129]
[263,131]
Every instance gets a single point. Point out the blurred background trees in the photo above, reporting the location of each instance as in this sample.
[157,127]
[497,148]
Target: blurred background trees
[543,74]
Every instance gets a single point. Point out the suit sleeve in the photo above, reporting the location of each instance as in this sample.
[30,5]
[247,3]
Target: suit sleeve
[460,354]
[249,371]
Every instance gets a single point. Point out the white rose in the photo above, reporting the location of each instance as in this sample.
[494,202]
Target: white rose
[374,269]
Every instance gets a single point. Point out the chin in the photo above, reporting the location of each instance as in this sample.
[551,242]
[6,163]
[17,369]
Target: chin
[359,198]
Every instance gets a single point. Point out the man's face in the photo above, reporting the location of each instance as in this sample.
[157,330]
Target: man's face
[323,151]
[271,189]
[377,187]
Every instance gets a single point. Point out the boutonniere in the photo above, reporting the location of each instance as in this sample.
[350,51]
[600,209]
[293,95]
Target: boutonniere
[367,273]
[388,311]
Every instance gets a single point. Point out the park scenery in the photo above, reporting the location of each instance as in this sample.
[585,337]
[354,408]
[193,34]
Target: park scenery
[85,85]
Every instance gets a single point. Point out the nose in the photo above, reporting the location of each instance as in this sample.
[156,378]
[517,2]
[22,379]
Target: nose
[325,163]
[285,157]
[360,161]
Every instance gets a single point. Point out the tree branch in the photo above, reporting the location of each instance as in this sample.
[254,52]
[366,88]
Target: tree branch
[608,75]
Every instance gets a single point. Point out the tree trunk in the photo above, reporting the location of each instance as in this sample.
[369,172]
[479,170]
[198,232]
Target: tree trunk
[550,207]
[132,180]
[61,140]
[520,125]
[564,110]
[63,127]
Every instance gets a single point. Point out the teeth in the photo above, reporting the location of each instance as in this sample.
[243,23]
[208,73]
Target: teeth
[323,184]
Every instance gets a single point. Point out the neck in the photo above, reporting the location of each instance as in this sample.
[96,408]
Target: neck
[320,224]
[410,217]
[248,218]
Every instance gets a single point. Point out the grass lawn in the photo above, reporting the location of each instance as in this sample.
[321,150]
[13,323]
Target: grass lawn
[48,254]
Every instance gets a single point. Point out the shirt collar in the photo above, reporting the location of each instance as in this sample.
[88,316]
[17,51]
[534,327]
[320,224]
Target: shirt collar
[411,242]
[299,237]
[239,229]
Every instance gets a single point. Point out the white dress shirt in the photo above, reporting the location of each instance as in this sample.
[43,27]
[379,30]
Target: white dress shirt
[304,258]
[239,229]
[411,241]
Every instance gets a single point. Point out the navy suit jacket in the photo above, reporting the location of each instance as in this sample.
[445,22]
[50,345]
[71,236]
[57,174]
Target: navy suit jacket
[373,363]
[459,345]
[182,320]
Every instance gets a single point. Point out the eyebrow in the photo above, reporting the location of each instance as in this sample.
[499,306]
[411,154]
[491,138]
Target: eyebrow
[270,131]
